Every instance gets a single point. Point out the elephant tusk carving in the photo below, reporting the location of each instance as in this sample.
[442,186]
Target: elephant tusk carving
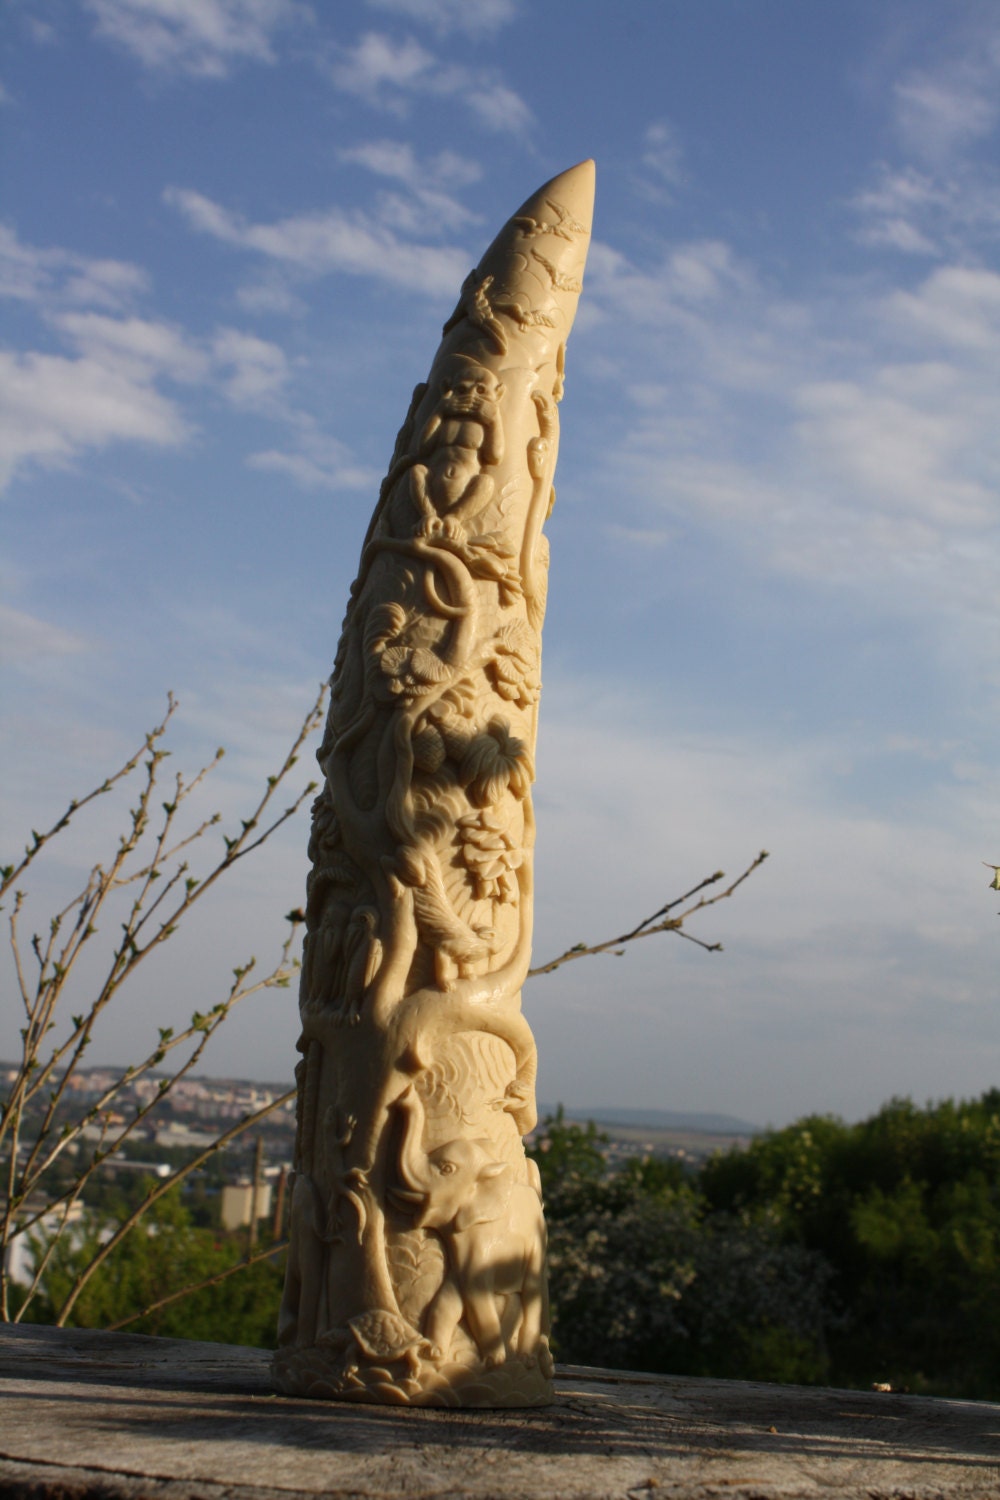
[416,1267]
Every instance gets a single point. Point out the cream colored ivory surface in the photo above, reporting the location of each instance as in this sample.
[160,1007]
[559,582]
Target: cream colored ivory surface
[416,1273]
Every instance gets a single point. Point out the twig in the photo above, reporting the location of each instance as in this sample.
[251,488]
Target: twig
[9,873]
[199,1286]
[150,918]
[659,921]
[157,1192]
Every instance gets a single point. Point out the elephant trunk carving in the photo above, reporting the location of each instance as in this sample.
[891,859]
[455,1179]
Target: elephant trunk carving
[493,1233]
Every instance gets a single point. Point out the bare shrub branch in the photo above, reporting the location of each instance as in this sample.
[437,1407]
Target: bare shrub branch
[660,921]
[151,859]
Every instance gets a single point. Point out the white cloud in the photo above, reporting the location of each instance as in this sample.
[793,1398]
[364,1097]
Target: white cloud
[498,106]
[399,161]
[944,195]
[851,439]
[899,442]
[309,473]
[31,274]
[270,294]
[333,241]
[137,347]
[662,153]
[396,159]
[958,306]
[423,207]
[42,33]
[255,369]
[937,116]
[57,407]
[25,638]
[376,60]
[919,213]
[199,37]
[54,408]
[690,274]
[474,17]
[384,72]
[249,369]
[894,211]
[315,462]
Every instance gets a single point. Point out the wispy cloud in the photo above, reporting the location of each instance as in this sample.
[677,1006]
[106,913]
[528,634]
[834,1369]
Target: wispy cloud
[138,347]
[24,638]
[386,72]
[203,38]
[473,17]
[377,61]
[248,370]
[313,473]
[662,160]
[31,274]
[851,439]
[110,387]
[897,211]
[398,160]
[331,241]
[900,443]
[942,196]
[939,114]
[915,212]
[689,276]
[54,408]
[957,307]
[254,370]
[314,460]
[421,203]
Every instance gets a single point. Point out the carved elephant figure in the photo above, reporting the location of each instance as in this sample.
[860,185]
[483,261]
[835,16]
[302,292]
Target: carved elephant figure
[494,1237]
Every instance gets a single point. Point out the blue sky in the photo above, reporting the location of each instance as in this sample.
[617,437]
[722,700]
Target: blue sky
[231,230]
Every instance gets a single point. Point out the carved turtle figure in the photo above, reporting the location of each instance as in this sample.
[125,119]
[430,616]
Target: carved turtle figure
[387,1336]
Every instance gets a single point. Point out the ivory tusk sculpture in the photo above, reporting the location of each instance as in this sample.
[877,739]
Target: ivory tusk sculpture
[416,1268]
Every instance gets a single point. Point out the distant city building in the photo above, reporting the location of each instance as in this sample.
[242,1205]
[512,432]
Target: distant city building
[19,1255]
[237,1203]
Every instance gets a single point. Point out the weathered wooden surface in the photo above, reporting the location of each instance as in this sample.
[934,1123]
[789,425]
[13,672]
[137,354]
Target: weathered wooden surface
[115,1415]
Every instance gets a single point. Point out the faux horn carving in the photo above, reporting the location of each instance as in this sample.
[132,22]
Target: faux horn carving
[416,1268]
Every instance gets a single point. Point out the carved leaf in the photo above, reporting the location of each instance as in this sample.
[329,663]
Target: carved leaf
[494,763]
[428,666]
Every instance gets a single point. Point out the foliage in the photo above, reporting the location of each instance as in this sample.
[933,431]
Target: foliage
[567,1154]
[166,1249]
[643,1277]
[905,1209]
[825,1252]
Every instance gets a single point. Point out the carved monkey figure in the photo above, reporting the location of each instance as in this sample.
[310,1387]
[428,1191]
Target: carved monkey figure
[462,437]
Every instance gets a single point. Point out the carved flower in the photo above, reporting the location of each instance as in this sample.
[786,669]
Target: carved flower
[514,668]
[491,856]
[495,762]
[412,669]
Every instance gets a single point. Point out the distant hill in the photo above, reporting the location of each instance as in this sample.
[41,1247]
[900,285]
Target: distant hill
[658,1119]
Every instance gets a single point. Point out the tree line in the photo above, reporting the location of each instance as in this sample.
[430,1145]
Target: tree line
[823,1253]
